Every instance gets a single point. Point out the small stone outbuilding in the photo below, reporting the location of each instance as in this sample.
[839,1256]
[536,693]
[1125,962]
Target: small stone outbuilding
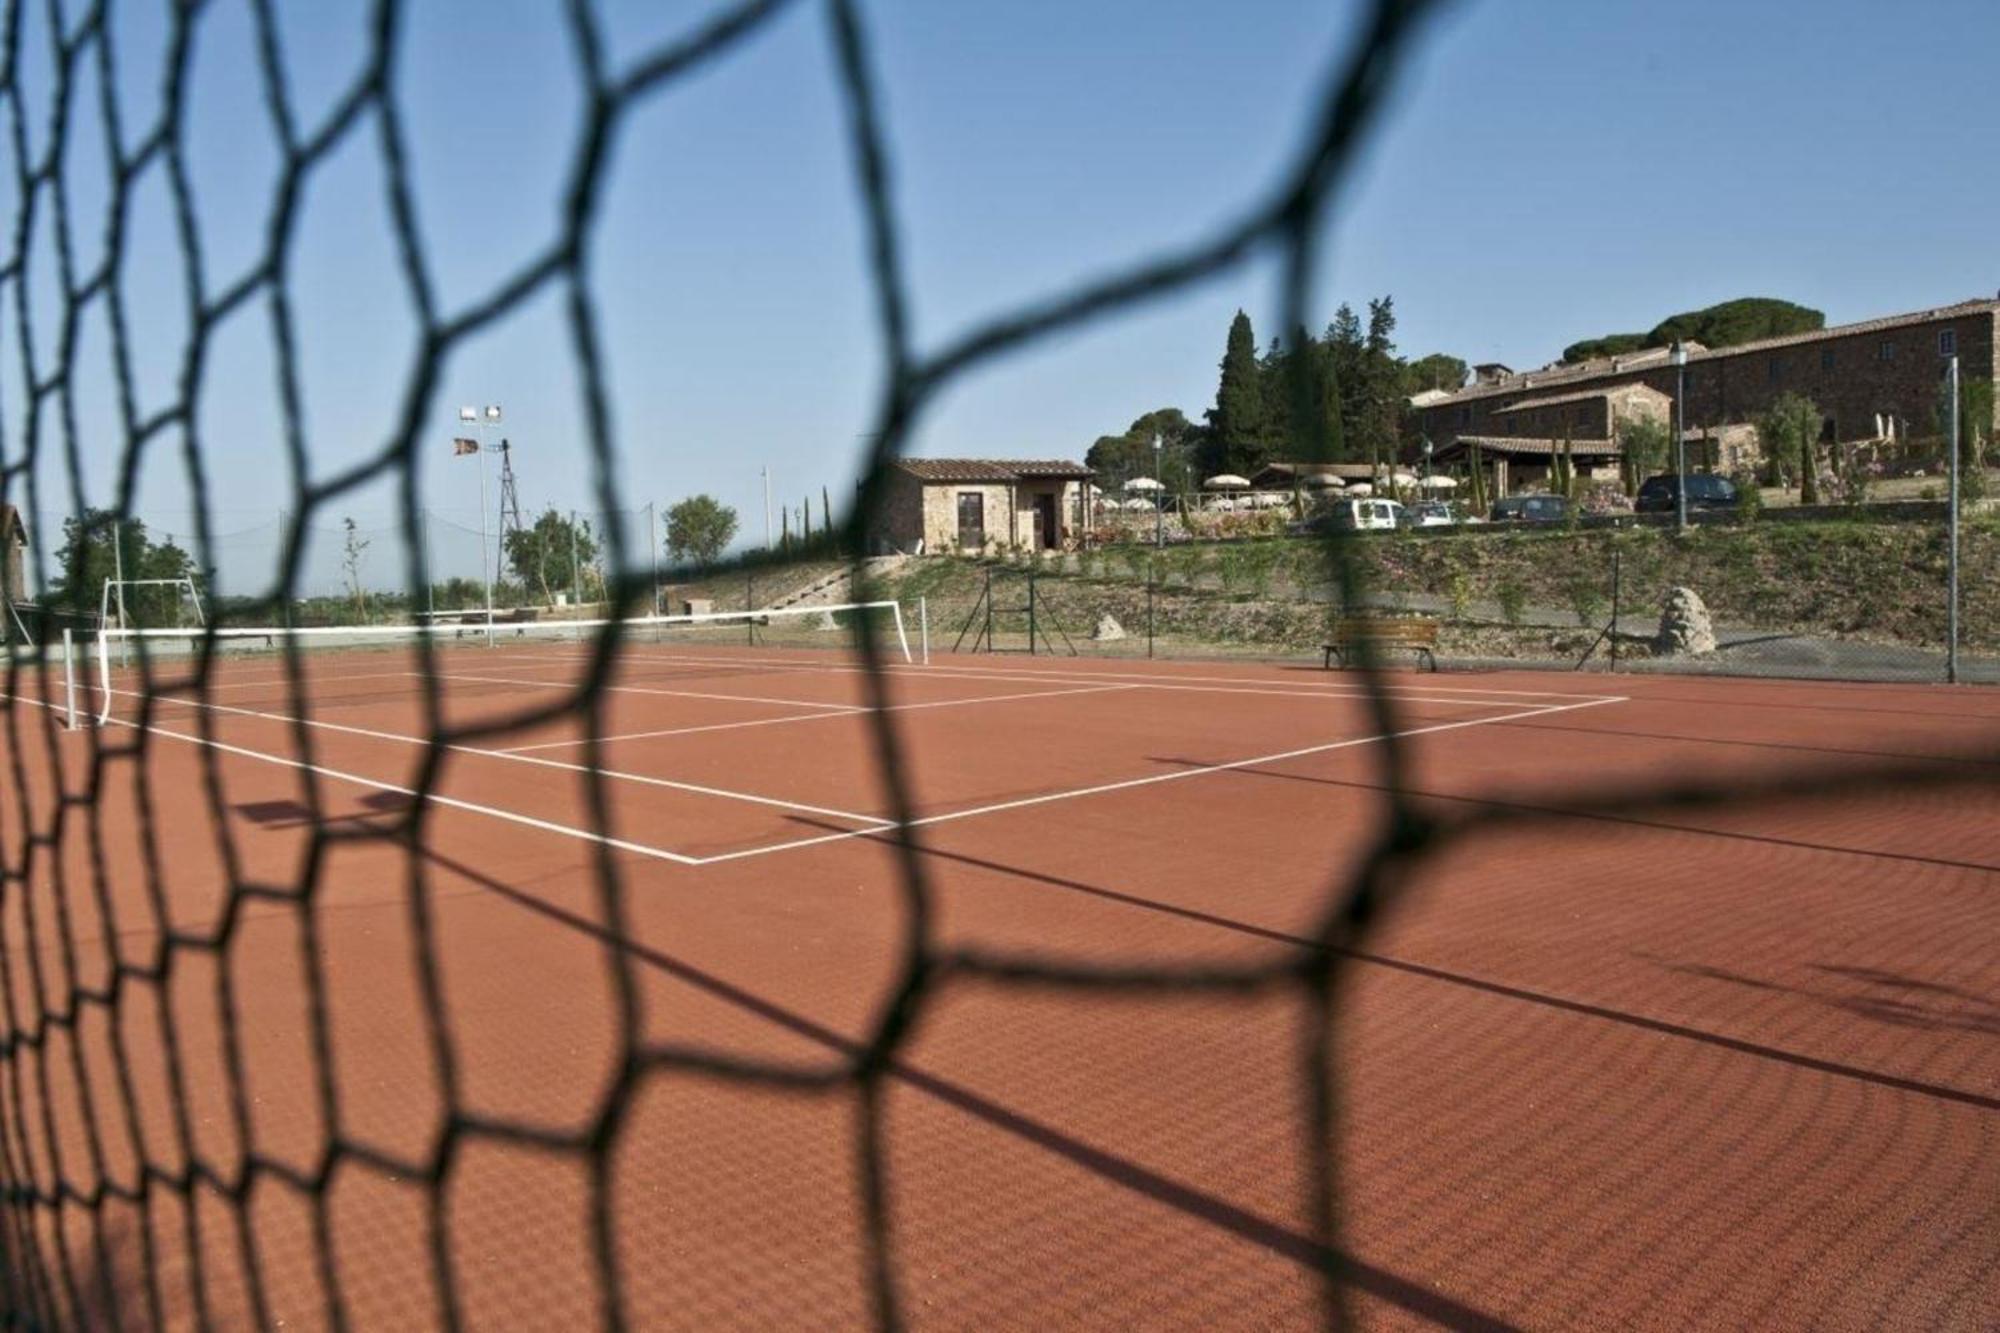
[970,505]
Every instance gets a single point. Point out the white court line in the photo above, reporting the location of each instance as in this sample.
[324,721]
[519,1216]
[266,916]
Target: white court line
[1247,684]
[1179,775]
[643,689]
[645,779]
[816,717]
[452,802]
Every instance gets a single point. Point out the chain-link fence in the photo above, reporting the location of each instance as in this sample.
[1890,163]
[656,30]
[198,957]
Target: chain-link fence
[1861,597]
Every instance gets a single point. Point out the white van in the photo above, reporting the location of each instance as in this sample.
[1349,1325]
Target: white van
[1368,515]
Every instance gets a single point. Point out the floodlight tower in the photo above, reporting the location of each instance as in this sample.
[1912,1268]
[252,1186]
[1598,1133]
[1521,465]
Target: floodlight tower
[480,419]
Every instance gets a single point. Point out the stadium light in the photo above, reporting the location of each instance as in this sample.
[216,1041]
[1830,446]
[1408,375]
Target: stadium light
[493,415]
[467,414]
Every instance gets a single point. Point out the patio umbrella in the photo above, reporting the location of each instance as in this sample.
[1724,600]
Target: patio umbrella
[1440,483]
[1324,479]
[1404,479]
[1144,484]
[1228,481]
[1360,488]
[1137,502]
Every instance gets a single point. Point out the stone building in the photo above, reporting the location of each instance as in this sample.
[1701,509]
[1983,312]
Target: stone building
[938,505]
[1528,434]
[1873,380]
[13,554]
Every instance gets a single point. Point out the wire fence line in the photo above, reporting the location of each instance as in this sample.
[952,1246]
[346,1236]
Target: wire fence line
[57,1236]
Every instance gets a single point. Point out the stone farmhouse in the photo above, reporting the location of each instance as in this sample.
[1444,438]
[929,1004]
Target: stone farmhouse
[1876,380]
[938,505]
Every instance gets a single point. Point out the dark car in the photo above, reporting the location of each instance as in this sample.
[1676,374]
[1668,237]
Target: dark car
[1532,509]
[1661,494]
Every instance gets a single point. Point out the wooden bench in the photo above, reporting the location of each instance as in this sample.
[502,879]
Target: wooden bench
[1419,634]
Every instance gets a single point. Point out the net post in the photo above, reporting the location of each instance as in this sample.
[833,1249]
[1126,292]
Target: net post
[69,678]
[924,626]
[1951,535]
[902,639]
[104,677]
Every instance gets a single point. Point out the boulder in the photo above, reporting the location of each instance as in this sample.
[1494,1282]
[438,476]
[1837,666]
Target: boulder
[1107,629]
[1685,627]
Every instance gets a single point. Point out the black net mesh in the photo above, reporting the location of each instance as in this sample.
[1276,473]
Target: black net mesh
[167,1161]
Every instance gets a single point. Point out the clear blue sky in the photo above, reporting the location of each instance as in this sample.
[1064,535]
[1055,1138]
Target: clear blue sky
[1551,170]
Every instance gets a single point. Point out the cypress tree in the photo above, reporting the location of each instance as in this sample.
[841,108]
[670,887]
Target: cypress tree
[1238,422]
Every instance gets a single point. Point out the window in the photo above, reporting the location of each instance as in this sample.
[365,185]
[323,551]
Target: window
[1947,342]
[1826,358]
[971,519]
[1886,350]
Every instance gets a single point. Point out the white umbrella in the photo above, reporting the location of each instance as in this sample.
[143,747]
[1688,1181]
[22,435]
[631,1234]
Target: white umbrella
[1440,483]
[1144,484]
[1404,479]
[1272,500]
[1360,488]
[1228,481]
[1324,479]
[1137,503]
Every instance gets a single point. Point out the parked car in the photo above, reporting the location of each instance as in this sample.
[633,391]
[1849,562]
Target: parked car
[1432,514]
[1368,515]
[1532,509]
[1661,494]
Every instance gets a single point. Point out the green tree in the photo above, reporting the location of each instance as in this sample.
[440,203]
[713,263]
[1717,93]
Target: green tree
[1975,431]
[353,552]
[1789,431]
[1309,396]
[1436,371]
[699,528]
[1117,459]
[557,554]
[1644,442]
[1239,423]
[88,560]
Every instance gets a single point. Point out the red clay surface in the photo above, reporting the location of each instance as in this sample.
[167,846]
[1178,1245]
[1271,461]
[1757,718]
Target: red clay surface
[1727,1065]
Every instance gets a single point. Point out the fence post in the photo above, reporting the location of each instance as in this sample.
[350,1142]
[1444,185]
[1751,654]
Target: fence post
[924,626]
[989,608]
[1615,589]
[1031,611]
[1152,577]
[69,678]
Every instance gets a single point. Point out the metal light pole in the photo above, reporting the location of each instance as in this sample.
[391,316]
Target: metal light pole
[1680,433]
[1159,496]
[479,420]
[1428,447]
[1951,544]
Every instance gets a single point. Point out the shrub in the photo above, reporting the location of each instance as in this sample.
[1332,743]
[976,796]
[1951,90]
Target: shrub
[1460,591]
[1512,595]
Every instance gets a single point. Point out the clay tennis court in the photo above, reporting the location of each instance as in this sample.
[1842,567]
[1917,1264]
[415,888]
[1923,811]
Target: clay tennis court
[1722,1064]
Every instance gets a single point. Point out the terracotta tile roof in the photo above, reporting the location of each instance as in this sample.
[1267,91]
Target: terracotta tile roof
[1626,364]
[1580,396]
[990,469]
[1507,444]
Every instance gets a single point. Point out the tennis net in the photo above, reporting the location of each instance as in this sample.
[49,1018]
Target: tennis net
[130,666]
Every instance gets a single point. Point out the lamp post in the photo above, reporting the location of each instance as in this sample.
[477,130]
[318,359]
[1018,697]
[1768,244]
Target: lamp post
[1680,433]
[479,419]
[1428,449]
[1159,497]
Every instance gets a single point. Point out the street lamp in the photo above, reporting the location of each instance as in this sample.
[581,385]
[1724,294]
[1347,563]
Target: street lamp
[1159,497]
[1428,448]
[1680,433]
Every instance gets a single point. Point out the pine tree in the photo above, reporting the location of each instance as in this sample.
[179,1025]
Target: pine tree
[1238,423]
